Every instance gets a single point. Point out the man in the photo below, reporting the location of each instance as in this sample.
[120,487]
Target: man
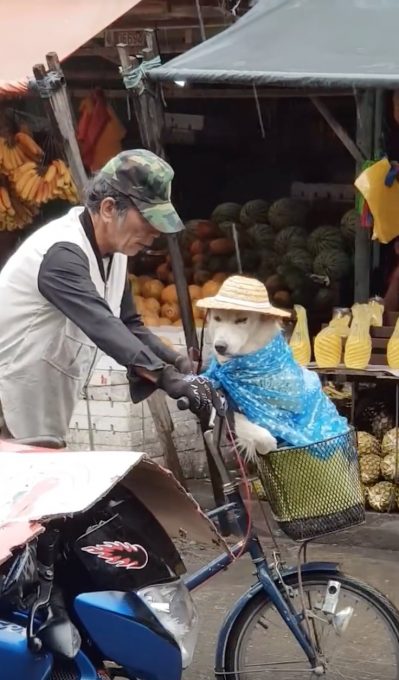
[65,293]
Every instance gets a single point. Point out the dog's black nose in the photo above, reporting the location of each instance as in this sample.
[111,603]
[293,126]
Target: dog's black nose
[221,347]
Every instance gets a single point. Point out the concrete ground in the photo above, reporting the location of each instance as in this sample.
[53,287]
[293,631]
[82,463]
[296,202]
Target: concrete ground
[369,553]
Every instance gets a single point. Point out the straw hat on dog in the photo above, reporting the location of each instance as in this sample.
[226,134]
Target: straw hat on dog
[244,294]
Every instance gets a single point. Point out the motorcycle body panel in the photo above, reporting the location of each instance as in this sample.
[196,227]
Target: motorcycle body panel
[16,661]
[125,630]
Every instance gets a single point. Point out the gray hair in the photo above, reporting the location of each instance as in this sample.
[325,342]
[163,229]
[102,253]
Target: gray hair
[98,188]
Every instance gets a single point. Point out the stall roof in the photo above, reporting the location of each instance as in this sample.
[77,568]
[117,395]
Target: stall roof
[32,28]
[327,43]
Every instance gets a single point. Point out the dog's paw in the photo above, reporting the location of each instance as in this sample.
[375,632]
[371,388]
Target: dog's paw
[252,439]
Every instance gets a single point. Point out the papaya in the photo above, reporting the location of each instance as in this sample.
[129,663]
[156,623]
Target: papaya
[163,321]
[222,246]
[274,283]
[150,320]
[206,230]
[139,304]
[210,288]
[197,247]
[163,271]
[282,298]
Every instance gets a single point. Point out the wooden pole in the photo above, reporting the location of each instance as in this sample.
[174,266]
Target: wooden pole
[365,109]
[341,133]
[149,113]
[63,116]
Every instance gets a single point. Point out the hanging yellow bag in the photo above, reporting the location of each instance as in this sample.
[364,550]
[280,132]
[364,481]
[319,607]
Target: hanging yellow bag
[328,342]
[358,345]
[376,307]
[393,348]
[300,341]
[382,197]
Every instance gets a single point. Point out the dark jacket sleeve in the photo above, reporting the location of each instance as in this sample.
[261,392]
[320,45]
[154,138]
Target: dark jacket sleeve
[64,280]
[133,322]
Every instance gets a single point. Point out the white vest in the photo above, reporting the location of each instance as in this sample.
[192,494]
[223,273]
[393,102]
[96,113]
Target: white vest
[45,359]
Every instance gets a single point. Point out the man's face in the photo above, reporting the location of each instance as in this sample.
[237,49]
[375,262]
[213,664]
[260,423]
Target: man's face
[126,233]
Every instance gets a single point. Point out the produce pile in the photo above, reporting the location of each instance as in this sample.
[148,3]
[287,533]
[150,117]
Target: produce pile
[379,469]
[158,305]
[28,180]
[275,244]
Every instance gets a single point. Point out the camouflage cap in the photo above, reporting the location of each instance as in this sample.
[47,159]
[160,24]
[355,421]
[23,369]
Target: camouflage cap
[147,180]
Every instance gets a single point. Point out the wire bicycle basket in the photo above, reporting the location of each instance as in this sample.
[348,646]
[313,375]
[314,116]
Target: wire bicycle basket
[314,490]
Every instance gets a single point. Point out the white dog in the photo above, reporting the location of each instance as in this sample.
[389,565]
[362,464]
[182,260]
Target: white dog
[235,333]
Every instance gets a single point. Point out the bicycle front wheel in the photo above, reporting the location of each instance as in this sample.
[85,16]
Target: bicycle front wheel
[360,644]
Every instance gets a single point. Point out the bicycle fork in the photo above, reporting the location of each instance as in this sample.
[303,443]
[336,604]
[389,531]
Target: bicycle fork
[290,617]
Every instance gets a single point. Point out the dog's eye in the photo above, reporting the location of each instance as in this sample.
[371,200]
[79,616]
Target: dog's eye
[217,318]
[243,320]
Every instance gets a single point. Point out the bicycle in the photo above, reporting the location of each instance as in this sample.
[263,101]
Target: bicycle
[314,603]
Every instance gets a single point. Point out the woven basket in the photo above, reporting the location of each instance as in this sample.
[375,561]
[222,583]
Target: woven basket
[314,490]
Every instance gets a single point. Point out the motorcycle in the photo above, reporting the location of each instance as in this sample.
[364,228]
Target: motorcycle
[95,590]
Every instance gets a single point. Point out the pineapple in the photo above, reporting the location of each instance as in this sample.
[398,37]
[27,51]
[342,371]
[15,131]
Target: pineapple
[373,415]
[382,496]
[367,444]
[390,466]
[370,468]
[390,442]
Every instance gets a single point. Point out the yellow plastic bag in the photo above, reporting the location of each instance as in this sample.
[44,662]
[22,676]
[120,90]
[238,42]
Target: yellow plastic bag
[328,342]
[376,308]
[382,200]
[393,348]
[358,345]
[300,341]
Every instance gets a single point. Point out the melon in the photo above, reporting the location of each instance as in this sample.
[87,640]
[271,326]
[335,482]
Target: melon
[349,224]
[210,288]
[250,260]
[287,211]
[261,235]
[139,304]
[195,292]
[134,284]
[152,289]
[325,238]
[163,321]
[150,320]
[169,294]
[293,277]
[299,258]
[226,212]
[219,277]
[290,237]
[152,306]
[323,301]
[198,260]
[334,264]
[254,211]
[170,310]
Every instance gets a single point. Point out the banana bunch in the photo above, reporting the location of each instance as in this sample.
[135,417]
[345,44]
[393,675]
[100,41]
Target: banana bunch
[17,150]
[13,213]
[37,185]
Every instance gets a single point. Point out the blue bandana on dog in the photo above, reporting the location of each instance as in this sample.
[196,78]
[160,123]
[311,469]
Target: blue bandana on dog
[273,391]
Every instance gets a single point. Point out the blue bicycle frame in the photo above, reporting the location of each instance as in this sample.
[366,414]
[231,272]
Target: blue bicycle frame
[269,582]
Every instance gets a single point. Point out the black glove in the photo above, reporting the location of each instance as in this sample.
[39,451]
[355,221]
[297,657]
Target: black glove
[198,390]
[184,364]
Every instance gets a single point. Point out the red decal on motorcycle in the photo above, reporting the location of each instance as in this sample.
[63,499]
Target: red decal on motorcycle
[120,554]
